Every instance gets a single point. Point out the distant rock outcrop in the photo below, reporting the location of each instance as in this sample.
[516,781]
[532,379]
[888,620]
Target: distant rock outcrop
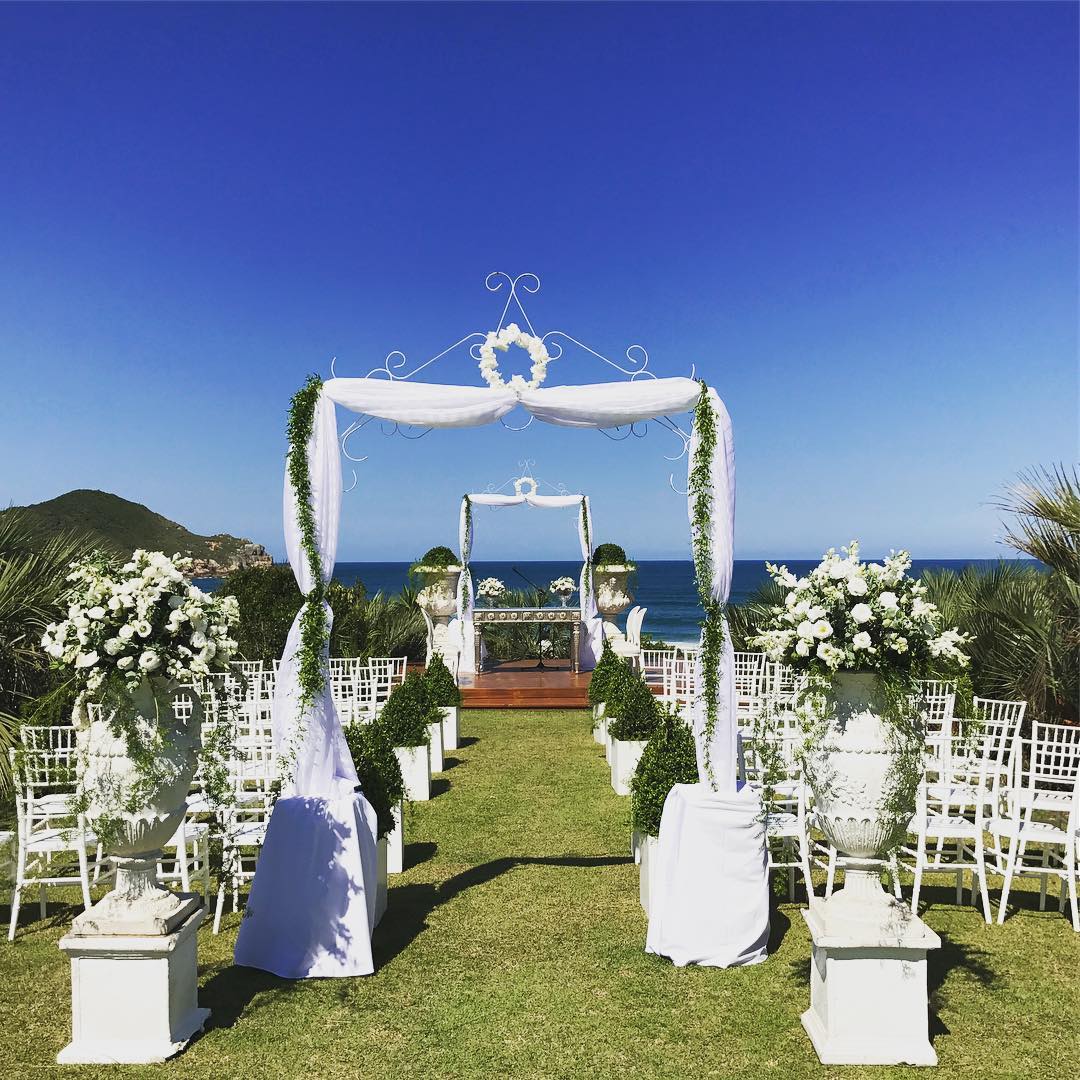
[120,526]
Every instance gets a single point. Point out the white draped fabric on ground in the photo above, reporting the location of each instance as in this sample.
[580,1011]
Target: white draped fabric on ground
[710,901]
[592,637]
[310,908]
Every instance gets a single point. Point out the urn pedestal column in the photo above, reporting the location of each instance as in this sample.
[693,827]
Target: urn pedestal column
[868,993]
[612,587]
[438,598]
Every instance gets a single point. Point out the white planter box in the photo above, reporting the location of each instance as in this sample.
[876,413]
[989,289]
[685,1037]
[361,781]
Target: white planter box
[395,844]
[609,750]
[625,755]
[450,727]
[599,731]
[381,883]
[646,853]
[415,771]
[435,739]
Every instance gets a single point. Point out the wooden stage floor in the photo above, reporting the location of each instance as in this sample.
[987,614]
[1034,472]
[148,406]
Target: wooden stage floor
[517,684]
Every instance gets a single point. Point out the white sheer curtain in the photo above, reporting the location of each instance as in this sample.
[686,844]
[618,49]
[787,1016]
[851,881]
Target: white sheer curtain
[592,639]
[723,752]
[466,598]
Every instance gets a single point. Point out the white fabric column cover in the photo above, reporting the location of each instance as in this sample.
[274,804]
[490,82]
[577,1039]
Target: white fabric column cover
[723,751]
[710,892]
[311,908]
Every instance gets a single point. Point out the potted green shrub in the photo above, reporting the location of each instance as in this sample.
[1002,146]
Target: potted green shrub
[608,669]
[611,581]
[669,758]
[445,696]
[633,716]
[406,721]
[379,773]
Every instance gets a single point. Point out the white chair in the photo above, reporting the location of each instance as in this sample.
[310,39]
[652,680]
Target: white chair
[629,646]
[652,663]
[1040,810]
[44,836]
[387,672]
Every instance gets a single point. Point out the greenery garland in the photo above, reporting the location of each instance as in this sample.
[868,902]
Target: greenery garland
[712,627]
[466,555]
[314,626]
[588,548]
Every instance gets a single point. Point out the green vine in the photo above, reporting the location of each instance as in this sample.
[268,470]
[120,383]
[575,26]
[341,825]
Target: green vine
[712,627]
[466,555]
[314,628]
[588,548]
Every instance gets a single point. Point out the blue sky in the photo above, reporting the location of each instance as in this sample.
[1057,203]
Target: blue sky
[858,221]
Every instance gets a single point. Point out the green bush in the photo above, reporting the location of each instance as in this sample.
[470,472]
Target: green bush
[378,771]
[438,556]
[609,555]
[269,600]
[408,711]
[669,759]
[439,683]
[632,710]
[608,669]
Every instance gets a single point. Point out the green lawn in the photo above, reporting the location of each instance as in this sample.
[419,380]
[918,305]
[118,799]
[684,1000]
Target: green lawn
[513,946]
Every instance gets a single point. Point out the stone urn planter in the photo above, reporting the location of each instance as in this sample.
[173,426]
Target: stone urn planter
[848,774]
[437,598]
[611,584]
[138,903]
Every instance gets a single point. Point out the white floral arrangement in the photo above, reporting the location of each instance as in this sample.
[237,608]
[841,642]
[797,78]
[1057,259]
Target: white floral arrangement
[141,618]
[563,586]
[501,340]
[851,615]
[491,588]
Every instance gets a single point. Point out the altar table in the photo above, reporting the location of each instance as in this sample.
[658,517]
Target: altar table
[504,616]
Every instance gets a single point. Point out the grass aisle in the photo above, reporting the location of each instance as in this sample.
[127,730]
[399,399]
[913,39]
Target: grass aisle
[513,946]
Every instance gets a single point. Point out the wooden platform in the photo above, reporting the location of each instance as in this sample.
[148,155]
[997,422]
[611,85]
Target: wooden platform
[517,684]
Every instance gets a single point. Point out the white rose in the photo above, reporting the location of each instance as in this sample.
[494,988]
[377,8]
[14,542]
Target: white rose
[97,613]
[888,601]
[862,613]
[805,629]
[802,647]
[815,613]
[149,661]
[125,662]
[822,629]
[856,585]
[840,569]
[114,645]
[143,628]
[861,640]
[127,632]
[85,660]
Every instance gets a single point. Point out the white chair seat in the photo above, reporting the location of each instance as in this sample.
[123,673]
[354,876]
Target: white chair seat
[783,824]
[59,839]
[948,825]
[1037,831]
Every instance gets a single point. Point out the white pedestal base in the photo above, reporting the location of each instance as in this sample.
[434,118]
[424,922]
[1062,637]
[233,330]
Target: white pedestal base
[415,771]
[599,731]
[133,999]
[868,998]
[450,727]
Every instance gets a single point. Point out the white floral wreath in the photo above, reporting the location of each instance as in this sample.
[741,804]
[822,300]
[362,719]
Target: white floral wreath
[523,481]
[502,340]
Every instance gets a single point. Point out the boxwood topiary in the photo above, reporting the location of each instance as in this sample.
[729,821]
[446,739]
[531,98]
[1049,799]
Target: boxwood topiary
[633,710]
[438,556]
[669,758]
[439,683]
[408,711]
[378,771]
[609,555]
[608,669]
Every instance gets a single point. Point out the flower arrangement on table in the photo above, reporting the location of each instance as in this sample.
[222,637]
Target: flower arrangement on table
[563,588]
[491,588]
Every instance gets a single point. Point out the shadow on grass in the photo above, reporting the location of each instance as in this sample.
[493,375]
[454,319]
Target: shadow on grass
[228,993]
[779,924]
[449,763]
[30,921]
[439,786]
[418,853]
[466,740]
[412,904]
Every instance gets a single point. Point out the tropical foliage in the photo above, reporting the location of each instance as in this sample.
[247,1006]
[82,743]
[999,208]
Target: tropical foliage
[33,592]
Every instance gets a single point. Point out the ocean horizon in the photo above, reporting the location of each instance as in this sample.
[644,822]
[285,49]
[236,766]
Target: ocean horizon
[665,587]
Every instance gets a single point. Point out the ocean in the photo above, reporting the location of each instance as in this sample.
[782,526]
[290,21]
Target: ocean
[666,589]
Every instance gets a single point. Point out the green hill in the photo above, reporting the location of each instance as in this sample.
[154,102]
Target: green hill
[121,526]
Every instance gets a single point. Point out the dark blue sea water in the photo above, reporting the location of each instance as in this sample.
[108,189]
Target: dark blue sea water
[666,588]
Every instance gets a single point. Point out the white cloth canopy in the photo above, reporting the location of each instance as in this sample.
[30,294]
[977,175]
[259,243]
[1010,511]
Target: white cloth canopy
[592,637]
[309,911]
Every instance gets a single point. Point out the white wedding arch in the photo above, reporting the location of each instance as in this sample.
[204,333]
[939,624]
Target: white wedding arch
[303,923]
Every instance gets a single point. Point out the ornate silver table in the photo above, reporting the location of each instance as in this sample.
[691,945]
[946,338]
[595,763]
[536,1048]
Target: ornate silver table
[508,616]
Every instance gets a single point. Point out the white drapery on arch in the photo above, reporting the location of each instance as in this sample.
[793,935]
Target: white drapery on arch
[310,908]
[592,638]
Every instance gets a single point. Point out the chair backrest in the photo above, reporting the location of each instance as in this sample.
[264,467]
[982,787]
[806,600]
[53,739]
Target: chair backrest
[749,670]
[993,710]
[1054,760]
[937,687]
[633,626]
[387,673]
[937,713]
[651,662]
[58,737]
